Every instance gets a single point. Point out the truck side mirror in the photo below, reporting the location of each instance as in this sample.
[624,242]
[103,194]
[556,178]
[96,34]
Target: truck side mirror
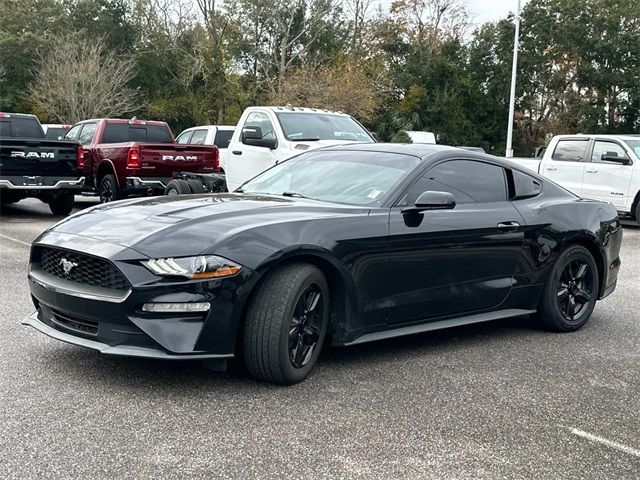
[613,157]
[253,136]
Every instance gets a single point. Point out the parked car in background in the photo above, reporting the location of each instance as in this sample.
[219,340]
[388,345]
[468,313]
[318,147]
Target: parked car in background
[266,136]
[599,167]
[218,135]
[124,157]
[348,244]
[54,131]
[428,138]
[34,166]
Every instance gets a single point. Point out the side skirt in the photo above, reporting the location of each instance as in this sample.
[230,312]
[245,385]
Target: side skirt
[439,325]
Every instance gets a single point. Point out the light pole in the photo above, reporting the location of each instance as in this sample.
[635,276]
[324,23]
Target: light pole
[512,98]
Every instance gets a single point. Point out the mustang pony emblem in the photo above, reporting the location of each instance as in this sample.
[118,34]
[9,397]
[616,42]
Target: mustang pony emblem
[67,265]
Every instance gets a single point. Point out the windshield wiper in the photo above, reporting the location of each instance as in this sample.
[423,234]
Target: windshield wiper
[314,139]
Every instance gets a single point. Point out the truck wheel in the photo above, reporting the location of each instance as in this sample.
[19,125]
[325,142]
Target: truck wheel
[571,291]
[638,212]
[109,190]
[62,204]
[177,187]
[195,186]
[286,324]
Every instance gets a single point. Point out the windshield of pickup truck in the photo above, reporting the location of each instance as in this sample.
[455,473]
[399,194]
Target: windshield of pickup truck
[353,178]
[635,146]
[321,126]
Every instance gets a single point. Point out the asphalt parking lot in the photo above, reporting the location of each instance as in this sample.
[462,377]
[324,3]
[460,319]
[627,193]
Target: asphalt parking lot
[497,400]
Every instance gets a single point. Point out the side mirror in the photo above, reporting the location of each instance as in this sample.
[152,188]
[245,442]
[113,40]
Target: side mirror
[253,136]
[432,201]
[613,157]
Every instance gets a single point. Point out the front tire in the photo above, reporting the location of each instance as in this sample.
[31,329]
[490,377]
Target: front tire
[571,292]
[62,204]
[286,324]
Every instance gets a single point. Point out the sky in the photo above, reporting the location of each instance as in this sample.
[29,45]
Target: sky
[481,10]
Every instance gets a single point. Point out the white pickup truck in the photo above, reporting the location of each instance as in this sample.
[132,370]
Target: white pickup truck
[265,136]
[218,135]
[600,167]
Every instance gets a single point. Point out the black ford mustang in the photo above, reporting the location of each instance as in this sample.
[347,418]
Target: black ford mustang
[347,244]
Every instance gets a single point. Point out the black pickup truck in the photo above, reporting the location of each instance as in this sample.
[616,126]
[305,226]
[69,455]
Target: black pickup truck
[33,166]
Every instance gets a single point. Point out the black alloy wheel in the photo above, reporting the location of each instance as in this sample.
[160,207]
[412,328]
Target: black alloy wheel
[286,323]
[304,331]
[570,294]
[575,290]
[109,190]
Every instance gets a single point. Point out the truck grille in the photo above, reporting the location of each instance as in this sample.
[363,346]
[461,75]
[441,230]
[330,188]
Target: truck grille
[86,269]
[87,327]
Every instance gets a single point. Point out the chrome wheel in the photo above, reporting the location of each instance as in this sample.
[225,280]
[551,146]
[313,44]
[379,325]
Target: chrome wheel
[304,331]
[575,290]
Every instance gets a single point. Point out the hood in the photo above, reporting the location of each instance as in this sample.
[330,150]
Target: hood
[190,224]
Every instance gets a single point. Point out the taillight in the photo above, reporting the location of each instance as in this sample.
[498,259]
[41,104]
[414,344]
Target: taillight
[4,115]
[216,159]
[80,157]
[133,158]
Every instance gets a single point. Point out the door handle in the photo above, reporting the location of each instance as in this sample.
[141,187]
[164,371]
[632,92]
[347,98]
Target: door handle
[592,170]
[508,226]
[552,168]
[237,152]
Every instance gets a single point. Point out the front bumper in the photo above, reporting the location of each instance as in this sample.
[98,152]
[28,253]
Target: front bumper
[34,321]
[115,324]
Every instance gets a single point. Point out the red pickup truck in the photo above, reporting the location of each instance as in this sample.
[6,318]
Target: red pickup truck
[123,157]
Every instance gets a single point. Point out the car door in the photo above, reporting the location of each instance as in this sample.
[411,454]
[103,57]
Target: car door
[462,260]
[566,165]
[249,160]
[608,181]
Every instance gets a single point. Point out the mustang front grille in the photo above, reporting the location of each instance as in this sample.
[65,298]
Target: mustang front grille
[80,325]
[81,268]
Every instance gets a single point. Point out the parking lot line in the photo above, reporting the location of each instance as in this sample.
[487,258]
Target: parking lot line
[604,441]
[15,240]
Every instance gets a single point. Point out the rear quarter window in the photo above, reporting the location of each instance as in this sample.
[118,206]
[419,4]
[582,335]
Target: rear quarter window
[524,186]
[223,138]
[570,150]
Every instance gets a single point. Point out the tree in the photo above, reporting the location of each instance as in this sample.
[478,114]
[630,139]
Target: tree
[77,80]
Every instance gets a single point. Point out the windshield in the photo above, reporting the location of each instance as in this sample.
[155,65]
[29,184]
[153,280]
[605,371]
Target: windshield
[351,177]
[321,126]
[635,146]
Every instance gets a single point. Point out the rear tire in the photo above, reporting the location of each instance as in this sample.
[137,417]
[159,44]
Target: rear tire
[571,292]
[109,190]
[62,204]
[177,187]
[286,324]
[195,186]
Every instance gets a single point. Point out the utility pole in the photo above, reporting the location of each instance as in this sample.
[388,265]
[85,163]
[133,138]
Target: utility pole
[512,99]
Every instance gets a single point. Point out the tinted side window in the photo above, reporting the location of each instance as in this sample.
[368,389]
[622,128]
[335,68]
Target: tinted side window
[199,136]
[55,133]
[600,148]
[469,182]
[73,133]
[570,150]
[184,137]
[223,138]
[87,133]
[525,186]
[261,120]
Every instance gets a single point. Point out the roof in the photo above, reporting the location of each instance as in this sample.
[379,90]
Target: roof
[421,150]
[624,136]
[295,109]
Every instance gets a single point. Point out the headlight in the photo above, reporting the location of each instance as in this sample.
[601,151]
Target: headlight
[202,266]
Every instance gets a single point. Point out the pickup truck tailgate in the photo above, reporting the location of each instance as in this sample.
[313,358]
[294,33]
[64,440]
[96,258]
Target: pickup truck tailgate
[166,158]
[38,157]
